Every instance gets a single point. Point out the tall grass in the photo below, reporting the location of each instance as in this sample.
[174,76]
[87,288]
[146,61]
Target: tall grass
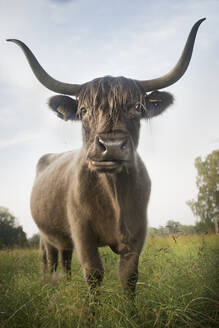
[178,287]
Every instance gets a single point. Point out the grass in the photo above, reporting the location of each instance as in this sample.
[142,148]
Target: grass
[178,287]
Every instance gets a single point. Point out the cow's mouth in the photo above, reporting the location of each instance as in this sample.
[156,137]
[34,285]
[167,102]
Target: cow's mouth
[106,166]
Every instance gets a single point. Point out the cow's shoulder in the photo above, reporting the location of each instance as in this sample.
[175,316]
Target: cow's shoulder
[60,160]
[55,159]
[46,160]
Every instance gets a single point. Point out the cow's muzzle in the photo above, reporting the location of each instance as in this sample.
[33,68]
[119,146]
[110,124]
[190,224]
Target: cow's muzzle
[110,153]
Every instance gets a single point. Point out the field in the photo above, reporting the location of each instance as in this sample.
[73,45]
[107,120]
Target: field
[178,287]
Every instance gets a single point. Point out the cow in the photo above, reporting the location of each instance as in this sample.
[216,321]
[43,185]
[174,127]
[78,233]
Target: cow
[98,195]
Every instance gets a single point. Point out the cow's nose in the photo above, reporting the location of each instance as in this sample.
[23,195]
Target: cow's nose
[112,148]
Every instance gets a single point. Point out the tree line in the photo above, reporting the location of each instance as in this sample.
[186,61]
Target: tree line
[205,207]
[174,228]
[12,234]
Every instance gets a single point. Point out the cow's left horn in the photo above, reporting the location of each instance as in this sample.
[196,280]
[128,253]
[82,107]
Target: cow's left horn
[48,81]
[177,72]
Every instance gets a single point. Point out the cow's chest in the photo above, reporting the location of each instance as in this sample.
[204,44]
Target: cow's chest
[108,207]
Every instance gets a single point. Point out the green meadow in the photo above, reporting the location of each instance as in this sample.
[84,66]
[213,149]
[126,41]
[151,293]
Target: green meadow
[178,287]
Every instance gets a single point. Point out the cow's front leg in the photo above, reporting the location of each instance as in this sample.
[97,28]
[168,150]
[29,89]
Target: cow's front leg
[92,266]
[128,271]
[87,250]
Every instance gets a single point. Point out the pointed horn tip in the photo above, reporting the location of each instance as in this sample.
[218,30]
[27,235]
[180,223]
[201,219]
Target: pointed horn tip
[13,40]
[200,21]
[197,24]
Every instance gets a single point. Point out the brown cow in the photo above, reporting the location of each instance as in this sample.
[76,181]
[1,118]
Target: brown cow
[98,196]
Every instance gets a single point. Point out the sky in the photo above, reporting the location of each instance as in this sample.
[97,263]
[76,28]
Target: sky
[77,41]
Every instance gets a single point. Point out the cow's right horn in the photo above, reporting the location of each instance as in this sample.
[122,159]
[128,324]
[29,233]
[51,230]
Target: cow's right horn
[48,81]
[177,72]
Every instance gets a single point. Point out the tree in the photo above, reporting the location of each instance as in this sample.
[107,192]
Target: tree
[11,233]
[34,241]
[206,207]
[173,226]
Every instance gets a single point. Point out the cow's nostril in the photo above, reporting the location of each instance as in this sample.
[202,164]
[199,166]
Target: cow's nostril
[124,144]
[101,144]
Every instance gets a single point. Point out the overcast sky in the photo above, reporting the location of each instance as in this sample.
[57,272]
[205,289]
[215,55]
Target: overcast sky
[76,41]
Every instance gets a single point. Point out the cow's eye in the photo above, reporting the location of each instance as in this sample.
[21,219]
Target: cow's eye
[83,111]
[139,107]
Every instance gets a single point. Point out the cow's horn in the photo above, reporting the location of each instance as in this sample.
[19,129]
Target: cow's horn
[48,81]
[177,72]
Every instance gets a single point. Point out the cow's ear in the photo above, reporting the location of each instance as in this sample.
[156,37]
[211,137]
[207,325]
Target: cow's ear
[157,102]
[64,107]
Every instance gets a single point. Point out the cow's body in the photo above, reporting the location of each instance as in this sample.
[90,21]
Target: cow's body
[114,209]
[97,210]
[98,196]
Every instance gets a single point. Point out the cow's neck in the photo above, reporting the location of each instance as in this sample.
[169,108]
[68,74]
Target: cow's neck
[108,202]
[119,188]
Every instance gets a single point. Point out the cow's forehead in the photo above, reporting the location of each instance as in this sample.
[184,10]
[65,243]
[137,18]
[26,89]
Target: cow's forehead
[110,93]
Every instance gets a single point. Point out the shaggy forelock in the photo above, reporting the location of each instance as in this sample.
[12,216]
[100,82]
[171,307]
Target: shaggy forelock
[111,94]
